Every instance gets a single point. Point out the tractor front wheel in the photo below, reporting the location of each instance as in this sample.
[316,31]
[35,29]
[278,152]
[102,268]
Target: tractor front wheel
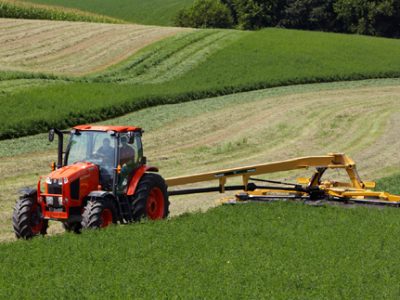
[99,213]
[27,219]
[151,198]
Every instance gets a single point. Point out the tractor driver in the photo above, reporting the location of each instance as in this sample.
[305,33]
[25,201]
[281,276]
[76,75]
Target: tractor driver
[106,151]
[126,152]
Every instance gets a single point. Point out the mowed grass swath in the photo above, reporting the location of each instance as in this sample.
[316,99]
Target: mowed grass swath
[151,12]
[252,61]
[27,10]
[281,250]
[71,48]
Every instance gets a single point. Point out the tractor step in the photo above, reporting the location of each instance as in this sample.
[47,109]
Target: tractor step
[125,209]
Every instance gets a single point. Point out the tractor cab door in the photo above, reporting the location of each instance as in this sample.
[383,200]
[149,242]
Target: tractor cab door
[130,158]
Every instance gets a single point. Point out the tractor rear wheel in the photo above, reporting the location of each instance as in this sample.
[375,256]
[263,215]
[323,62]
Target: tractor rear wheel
[99,213]
[28,220]
[151,198]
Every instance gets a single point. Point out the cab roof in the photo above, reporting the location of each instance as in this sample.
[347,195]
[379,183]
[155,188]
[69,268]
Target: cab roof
[107,128]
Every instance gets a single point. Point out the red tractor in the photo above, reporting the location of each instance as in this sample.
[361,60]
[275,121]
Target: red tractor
[100,179]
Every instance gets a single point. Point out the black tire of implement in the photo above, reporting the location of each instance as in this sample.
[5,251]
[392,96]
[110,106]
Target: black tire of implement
[22,219]
[139,199]
[91,217]
[72,227]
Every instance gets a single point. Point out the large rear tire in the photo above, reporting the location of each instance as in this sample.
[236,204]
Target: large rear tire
[99,213]
[151,198]
[28,220]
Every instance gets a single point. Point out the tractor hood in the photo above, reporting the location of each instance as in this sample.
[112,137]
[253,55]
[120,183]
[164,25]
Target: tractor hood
[78,170]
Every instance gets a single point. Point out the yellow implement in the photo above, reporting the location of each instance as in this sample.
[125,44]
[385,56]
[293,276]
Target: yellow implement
[314,188]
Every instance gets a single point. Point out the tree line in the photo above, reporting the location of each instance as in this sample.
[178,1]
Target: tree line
[376,17]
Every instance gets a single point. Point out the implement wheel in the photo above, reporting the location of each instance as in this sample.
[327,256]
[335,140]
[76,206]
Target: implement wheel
[151,198]
[27,219]
[99,213]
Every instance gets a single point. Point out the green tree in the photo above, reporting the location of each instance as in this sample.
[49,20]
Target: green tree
[254,14]
[205,14]
[309,14]
[379,17]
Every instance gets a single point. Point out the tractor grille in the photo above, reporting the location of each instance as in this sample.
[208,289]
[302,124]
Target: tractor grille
[75,189]
[54,188]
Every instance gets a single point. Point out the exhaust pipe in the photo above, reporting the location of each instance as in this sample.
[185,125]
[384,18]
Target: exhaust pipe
[53,131]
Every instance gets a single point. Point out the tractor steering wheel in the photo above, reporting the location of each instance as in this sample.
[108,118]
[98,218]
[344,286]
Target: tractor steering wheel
[98,155]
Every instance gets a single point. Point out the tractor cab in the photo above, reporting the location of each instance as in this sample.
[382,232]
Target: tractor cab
[116,150]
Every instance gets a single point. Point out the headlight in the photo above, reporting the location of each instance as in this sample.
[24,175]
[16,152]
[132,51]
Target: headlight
[65,180]
[60,181]
[48,180]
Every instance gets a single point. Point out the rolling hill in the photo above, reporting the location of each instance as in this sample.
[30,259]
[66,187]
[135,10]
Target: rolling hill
[190,65]
[72,48]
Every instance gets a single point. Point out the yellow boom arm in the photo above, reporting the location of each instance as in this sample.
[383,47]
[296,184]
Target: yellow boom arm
[355,189]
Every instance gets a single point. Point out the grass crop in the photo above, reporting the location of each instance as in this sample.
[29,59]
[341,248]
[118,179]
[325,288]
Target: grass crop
[27,10]
[254,60]
[277,56]
[389,184]
[151,12]
[281,250]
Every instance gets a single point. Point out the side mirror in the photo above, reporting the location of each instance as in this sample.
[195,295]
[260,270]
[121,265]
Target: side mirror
[131,137]
[51,135]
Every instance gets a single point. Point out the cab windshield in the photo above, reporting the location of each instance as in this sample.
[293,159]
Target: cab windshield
[96,147]
[92,146]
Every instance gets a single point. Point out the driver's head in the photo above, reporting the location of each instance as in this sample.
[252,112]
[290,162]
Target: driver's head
[106,142]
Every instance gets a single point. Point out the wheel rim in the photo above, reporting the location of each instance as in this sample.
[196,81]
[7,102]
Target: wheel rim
[36,220]
[106,217]
[155,204]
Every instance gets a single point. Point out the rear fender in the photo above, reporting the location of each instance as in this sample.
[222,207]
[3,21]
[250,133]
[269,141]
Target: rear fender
[137,176]
[100,194]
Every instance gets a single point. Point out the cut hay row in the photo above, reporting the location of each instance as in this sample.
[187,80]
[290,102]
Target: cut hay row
[71,48]
[360,119]
[171,58]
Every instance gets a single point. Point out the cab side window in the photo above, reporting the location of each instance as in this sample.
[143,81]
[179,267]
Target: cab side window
[138,148]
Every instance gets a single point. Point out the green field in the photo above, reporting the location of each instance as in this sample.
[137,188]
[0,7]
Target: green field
[261,96]
[280,250]
[186,67]
[150,12]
